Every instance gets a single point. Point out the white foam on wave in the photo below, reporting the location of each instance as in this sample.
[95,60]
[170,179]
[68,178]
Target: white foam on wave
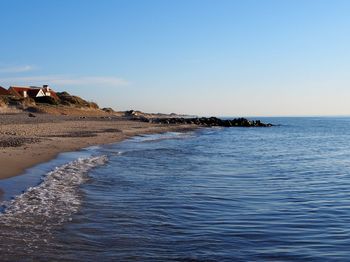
[28,222]
[54,200]
[164,136]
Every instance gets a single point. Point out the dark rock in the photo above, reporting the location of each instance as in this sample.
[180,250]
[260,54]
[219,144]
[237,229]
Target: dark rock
[108,110]
[204,121]
[31,115]
[130,113]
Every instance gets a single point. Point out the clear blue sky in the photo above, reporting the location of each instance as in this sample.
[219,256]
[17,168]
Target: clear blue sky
[206,57]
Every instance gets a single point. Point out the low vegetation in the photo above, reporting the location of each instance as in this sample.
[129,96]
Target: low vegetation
[70,100]
[20,103]
[47,100]
[64,99]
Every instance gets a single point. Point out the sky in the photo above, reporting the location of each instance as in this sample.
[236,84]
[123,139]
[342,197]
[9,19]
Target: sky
[202,57]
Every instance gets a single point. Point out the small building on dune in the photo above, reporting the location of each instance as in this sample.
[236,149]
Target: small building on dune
[35,92]
[19,91]
[48,91]
[32,91]
[4,92]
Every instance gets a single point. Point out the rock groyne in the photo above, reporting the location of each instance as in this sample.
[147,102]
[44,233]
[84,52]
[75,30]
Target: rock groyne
[205,121]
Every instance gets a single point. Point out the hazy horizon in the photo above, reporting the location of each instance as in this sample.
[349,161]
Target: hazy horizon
[200,57]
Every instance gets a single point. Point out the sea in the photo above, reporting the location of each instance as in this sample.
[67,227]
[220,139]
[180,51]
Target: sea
[214,194]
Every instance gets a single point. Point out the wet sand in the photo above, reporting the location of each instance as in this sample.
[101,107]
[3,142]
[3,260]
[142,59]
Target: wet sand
[27,141]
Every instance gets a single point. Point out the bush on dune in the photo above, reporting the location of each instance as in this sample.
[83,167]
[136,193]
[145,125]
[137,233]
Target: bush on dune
[19,102]
[47,100]
[70,100]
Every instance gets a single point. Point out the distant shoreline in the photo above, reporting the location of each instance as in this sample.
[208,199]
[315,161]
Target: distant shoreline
[27,141]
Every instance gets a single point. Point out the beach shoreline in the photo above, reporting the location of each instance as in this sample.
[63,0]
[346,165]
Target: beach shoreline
[28,141]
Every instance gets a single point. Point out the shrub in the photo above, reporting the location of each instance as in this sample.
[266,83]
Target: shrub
[67,99]
[47,100]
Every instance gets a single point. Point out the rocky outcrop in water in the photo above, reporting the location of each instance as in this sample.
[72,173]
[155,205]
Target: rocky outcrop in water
[205,121]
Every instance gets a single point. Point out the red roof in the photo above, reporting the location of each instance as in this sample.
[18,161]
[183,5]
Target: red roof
[54,95]
[4,92]
[20,88]
[18,91]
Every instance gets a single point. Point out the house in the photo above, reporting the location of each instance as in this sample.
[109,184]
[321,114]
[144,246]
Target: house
[19,91]
[4,92]
[49,92]
[32,91]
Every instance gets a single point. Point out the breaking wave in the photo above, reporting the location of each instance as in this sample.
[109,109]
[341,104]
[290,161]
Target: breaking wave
[46,206]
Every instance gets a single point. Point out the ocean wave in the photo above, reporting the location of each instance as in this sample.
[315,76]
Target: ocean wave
[47,205]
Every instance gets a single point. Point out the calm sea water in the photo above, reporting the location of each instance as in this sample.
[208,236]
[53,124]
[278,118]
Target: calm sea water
[219,194]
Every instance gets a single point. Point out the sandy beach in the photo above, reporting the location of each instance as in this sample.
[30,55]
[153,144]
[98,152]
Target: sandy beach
[26,141]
